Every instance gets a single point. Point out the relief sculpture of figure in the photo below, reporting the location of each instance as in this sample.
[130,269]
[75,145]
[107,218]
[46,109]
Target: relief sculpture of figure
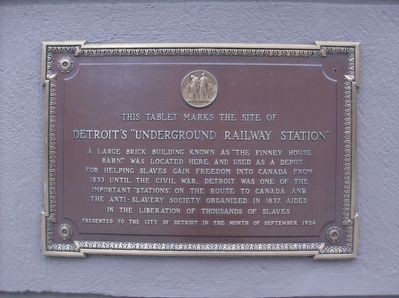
[199,88]
[193,87]
[204,86]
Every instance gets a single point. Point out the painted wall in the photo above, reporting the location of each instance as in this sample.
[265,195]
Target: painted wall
[24,24]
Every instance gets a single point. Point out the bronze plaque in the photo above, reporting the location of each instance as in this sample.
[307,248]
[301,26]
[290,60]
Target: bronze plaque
[211,150]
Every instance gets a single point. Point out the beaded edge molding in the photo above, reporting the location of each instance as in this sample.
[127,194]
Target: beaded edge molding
[81,248]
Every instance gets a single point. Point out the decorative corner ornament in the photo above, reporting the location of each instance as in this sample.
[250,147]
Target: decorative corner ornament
[64,231]
[334,234]
[65,64]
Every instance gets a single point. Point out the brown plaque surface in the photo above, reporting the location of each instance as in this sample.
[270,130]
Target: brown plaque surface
[206,149]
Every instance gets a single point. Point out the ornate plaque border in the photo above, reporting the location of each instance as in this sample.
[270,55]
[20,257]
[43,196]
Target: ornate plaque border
[81,248]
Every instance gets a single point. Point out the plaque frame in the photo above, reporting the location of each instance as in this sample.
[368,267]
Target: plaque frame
[317,250]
